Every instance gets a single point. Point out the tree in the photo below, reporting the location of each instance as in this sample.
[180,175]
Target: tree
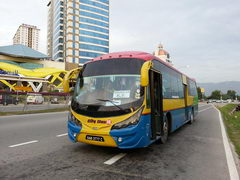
[231,94]
[200,95]
[225,97]
[216,94]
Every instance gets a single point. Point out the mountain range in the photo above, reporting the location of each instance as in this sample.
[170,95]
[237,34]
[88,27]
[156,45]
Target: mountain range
[222,86]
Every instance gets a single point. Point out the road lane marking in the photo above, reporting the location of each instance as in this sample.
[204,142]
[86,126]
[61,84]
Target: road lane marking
[60,135]
[228,152]
[21,144]
[205,109]
[115,158]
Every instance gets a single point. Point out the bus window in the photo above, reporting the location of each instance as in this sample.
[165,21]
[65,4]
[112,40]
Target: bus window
[193,88]
[167,94]
[180,88]
[174,82]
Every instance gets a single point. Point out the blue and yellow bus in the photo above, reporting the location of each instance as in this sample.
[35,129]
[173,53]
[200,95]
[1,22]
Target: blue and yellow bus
[129,100]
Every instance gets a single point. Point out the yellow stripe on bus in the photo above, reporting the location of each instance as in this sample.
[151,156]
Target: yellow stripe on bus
[173,104]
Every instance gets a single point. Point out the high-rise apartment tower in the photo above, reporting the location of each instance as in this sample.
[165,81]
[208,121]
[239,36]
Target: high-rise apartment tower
[27,35]
[78,30]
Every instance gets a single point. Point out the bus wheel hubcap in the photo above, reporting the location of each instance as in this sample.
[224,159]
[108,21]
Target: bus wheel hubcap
[165,128]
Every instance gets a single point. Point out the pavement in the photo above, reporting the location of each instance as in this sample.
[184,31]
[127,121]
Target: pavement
[36,146]
[30,107]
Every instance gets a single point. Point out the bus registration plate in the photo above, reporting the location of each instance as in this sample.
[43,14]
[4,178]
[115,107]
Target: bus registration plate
[94,138]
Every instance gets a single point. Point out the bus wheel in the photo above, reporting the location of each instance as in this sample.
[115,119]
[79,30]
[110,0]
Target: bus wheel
[163,139]
[191,118]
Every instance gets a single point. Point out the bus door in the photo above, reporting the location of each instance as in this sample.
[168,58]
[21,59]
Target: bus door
[156,103]
[185,88]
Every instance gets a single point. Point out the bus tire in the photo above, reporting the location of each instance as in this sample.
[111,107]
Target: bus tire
[191,117]
[163,139]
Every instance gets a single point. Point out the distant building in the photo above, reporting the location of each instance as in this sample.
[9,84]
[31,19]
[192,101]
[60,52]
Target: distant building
[78,30]
[26,57]
[27,35]
[163,54]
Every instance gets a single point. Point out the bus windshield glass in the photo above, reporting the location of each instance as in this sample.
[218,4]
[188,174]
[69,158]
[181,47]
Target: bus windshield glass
[103,94]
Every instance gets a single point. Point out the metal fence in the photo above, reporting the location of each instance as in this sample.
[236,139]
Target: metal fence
[22,101]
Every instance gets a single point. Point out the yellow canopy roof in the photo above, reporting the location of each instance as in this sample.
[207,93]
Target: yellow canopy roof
[40,72]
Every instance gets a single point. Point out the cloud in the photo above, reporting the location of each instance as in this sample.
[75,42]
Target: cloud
[16,12]
[201,33]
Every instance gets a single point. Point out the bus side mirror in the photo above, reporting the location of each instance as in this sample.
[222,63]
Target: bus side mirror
[69,77]
[145,73]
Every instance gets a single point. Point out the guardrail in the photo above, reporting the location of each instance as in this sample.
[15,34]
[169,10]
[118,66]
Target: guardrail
[30,101]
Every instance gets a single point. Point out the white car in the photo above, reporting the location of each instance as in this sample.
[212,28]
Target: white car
[219,101]
[35,99]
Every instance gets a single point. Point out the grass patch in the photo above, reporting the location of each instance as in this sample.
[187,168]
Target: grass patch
[35,111]
[232,124]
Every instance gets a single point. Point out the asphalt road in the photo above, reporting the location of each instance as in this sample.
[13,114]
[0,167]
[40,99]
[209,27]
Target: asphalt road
[36,147]
[30,107]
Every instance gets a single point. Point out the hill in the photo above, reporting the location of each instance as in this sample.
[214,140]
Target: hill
[222,86]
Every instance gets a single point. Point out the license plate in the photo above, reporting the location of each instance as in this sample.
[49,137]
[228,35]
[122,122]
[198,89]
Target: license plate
[95,138]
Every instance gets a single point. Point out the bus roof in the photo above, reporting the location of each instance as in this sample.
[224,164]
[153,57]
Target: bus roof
[134,55]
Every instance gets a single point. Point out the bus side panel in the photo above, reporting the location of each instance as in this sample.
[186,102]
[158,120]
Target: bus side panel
[134,136]
[178,118]
[176,107]
[195,105]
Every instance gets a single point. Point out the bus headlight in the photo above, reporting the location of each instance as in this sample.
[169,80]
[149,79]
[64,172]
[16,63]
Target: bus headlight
[72,118]
[133,120]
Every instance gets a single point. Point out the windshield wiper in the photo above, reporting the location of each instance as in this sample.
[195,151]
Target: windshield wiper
[108,100]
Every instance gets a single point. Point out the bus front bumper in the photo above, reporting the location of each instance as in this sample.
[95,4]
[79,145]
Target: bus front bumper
[136,136]
[73,131]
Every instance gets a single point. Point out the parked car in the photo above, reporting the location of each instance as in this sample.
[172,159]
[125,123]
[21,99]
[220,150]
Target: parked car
[229,100]
[54,100]
[209,101]
[219,101]
[6,99]
[35,99]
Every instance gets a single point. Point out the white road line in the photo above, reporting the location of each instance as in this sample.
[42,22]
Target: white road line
[229,156]
[115,158]
[205,109]
[21,144]
[60,135]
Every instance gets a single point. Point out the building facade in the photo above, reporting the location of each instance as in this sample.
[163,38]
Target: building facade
[163,54]
[27,35]
[78,30]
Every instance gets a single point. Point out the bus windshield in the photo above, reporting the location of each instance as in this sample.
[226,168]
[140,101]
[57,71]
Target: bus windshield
[106,94]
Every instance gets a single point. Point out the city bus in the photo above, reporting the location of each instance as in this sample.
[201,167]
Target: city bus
[129,100]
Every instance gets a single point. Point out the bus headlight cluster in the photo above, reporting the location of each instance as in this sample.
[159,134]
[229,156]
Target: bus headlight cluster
[133,120]
[72,118]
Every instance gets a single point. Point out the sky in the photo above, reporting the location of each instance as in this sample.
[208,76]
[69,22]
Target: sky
[202,36]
